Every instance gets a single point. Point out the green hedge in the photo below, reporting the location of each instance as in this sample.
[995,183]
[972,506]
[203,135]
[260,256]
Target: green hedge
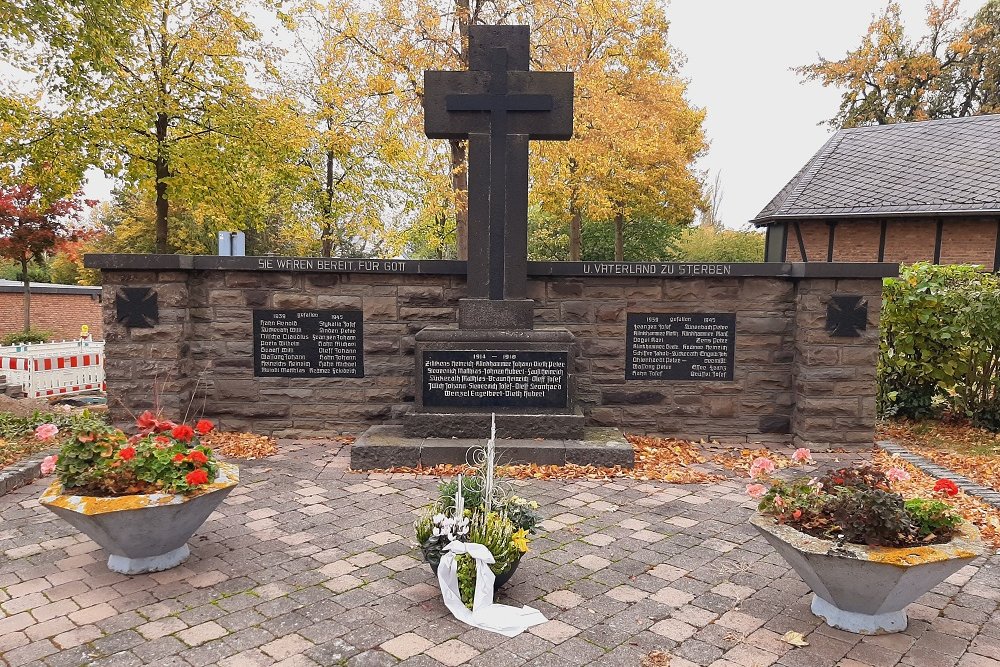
[940,348]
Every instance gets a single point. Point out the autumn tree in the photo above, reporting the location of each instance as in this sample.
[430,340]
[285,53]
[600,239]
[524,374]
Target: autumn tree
[164,96]
[408,37]
[951,71]
[635,135]
[30,226]
[358,154]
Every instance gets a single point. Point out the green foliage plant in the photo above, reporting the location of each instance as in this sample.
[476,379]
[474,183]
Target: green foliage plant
[13,427]
[705,243]
[940,343]
[163,457]
[30,336]
[932,517]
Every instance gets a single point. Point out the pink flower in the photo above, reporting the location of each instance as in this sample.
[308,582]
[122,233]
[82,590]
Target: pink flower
[802,455]
[49,464]
[897,475]
[779,501]
[46,431]
[756,490]
[761,466]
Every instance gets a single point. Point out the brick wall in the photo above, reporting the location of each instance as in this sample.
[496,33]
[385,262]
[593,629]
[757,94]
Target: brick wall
[788,368]
[60,314]
[972,242]
[963,241]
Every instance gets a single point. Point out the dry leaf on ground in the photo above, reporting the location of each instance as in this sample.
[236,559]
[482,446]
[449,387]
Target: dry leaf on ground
[656,659]
[656,459]
[980,513]
[794,638]
[248,446]
[739,460]
[967,450]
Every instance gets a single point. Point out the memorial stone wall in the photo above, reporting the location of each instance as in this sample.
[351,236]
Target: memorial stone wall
[301,347]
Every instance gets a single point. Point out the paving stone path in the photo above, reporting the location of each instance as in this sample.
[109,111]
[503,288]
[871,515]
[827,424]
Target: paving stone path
[307,564]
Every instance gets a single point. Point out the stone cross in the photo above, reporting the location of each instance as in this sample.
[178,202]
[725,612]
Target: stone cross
[498,105]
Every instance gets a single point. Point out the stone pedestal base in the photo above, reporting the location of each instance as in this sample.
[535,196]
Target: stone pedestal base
[477,425]
[862,624]
[130,566]
[388,446]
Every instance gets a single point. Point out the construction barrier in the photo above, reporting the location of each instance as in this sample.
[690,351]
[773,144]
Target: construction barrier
[53,369]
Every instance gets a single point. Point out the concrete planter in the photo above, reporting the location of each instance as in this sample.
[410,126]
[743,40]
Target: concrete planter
[142,532]
[866,589]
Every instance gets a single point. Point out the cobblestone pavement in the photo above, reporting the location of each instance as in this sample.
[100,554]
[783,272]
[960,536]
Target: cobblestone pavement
[307,564]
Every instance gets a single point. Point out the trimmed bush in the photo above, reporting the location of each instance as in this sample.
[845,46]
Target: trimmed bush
[940,348]
[31,336]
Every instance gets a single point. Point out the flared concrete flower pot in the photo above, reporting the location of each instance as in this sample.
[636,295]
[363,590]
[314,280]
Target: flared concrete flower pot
[866,589]
[142,532]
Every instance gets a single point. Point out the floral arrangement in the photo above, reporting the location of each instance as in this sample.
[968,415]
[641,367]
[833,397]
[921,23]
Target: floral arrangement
[474,508]
[100,460]
[856,505]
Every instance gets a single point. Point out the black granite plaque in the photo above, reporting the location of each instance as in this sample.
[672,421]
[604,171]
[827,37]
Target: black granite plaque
[308,343]
[501,379]
[680,346]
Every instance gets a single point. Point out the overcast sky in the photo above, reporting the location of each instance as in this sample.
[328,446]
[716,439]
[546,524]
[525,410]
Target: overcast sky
[762,122]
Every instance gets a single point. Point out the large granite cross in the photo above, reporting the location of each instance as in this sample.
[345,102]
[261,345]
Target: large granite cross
[498,105]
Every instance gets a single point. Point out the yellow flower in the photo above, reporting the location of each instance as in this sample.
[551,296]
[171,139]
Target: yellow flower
[520,539]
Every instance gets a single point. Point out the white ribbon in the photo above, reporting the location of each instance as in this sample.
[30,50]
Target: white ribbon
[504,619]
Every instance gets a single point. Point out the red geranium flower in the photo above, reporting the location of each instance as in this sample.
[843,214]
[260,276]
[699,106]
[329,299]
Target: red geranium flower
[179,458]
[204,426]
[946,486]
[197,456]
[162,440]
[127,454]
[164,426]
[184,433]
[146,420]
[196,477]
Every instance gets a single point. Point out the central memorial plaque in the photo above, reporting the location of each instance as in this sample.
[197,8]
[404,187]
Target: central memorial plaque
[481,378]
[308,343]
[680,346]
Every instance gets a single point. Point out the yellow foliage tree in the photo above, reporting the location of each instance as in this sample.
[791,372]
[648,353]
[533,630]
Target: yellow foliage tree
[636,136]
[952,70]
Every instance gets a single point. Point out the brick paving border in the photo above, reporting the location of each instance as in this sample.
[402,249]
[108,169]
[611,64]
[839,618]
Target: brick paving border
[18,474]
[984,493]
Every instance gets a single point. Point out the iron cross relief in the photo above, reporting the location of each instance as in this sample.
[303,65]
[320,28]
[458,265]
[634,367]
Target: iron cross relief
[498,105]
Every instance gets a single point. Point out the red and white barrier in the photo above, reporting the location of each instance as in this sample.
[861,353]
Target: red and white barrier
[51,369]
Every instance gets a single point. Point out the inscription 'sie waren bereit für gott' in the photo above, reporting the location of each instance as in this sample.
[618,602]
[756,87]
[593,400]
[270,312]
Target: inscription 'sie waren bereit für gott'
[308,344]
[680,346]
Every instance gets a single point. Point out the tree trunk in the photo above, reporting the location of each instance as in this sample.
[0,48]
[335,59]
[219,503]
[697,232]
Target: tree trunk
[575,231]
[619,238]
[162,167]
[27,294]
[575,219]
[460,186]
[327,232]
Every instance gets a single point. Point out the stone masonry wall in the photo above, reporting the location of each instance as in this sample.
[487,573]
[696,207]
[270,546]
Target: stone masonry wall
[789,372]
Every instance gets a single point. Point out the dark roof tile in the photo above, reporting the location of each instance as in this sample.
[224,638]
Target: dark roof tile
[925,167]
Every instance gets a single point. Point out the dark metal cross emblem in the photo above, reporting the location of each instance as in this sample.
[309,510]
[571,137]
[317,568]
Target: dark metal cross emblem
[847,315]
[498,105]
[137,307]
